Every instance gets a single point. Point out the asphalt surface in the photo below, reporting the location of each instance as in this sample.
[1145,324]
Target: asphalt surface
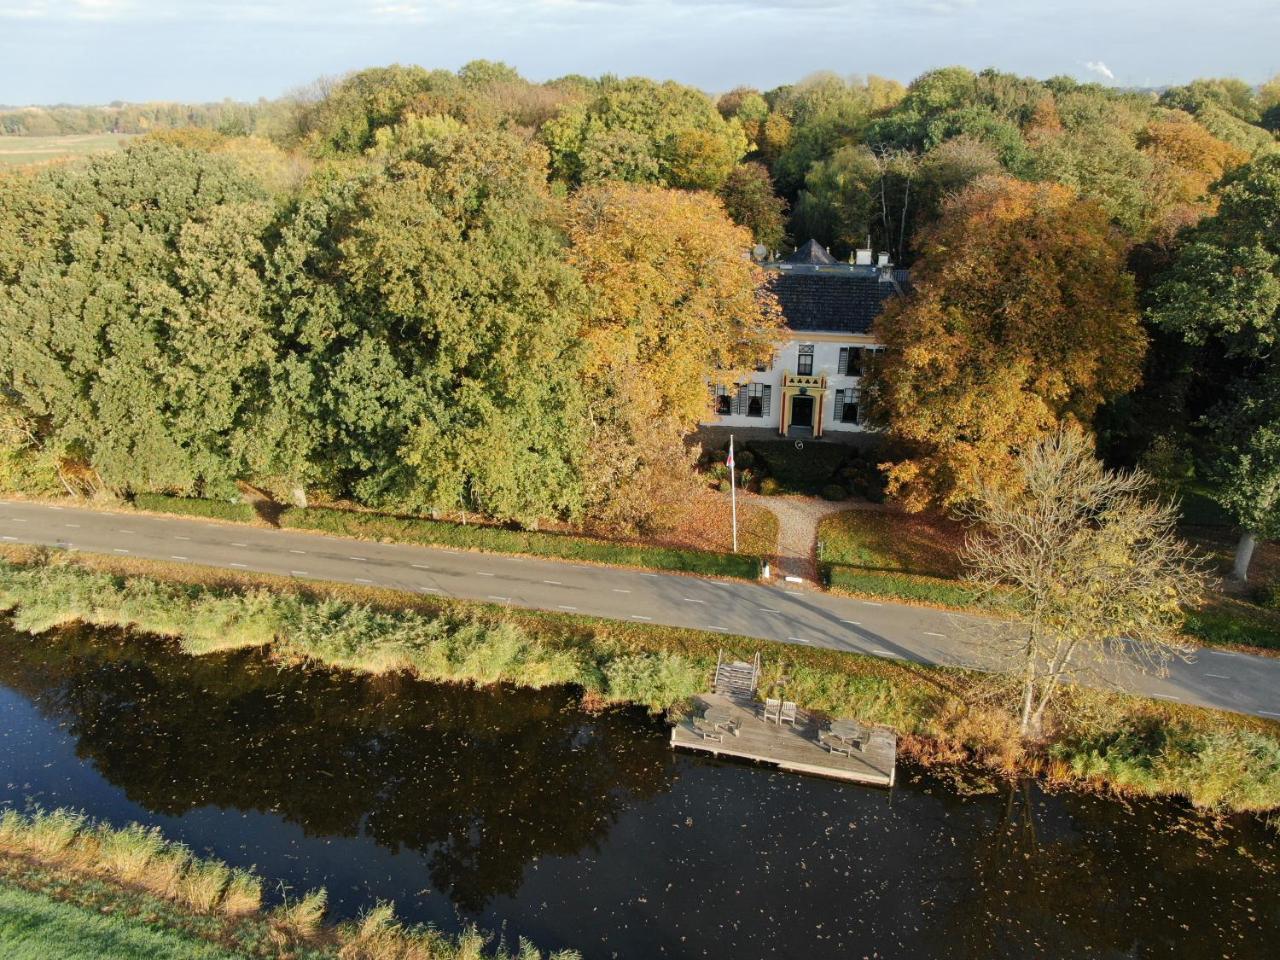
[1214,678]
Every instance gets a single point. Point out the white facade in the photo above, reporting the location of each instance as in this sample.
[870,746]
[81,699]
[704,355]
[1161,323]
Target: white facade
[832,386]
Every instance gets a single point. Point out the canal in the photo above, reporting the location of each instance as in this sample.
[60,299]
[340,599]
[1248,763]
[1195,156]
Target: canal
[525,814]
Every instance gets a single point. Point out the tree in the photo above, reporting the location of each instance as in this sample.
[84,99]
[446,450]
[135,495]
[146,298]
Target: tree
[434,324]
[1222,295]
[1022,315]
[676,305]
[750,200]
[644,132]
[1090,563]
[133,327]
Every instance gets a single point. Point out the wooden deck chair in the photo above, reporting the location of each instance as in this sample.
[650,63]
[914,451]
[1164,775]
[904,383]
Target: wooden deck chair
[788,712]
[772,708]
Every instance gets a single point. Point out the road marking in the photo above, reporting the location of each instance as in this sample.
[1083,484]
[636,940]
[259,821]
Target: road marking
[691,600]
[182,538]
[242,566]
[9,538]
[361,580]
[17,520]
[798,640]
[1222,653]
[636,616]
[431,589]
[300,573]
[1217,676]
[419,566]
[1165,696]
[481,573]
[503,599]
[618,590]
[649,574]
[75,525]
[120,550]
[362,559]
[770,610]
[1269,713]
[871,603]
[854,622]
[930,633]
[887,653]
[564,607]
[121,530]
[176,557]
[714,627]
[554,583]
[52,507]
[298,551]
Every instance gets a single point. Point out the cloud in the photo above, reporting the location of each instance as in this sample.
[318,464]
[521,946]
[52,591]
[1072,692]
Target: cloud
[1100,68]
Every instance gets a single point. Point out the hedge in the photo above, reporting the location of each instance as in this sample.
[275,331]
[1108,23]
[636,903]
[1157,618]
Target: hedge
[190,506]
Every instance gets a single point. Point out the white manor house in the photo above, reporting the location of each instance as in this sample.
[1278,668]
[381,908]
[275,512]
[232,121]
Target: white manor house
[813,386]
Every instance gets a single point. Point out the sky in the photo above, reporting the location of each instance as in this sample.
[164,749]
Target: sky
[97,51]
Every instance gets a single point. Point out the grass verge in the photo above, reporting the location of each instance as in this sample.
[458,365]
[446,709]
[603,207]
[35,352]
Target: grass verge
[192,507]
[372,526]
[71,888]
[943,715]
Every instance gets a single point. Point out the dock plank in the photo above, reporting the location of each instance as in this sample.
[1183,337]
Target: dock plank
[788,747]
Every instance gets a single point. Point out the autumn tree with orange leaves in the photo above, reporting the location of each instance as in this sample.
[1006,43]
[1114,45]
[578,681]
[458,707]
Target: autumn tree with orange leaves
[676,304]
[1022,317]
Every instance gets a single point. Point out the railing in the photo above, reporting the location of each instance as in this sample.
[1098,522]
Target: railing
[816,381]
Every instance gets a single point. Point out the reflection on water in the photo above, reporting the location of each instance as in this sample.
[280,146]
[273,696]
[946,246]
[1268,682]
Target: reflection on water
[517,810]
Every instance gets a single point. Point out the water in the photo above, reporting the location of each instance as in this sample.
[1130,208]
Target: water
[520,812]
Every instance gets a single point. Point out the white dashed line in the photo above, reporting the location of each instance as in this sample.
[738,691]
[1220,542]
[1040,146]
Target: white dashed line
[930,633]
[887,653]
[17,520]
[1222,653]
[1165,696]
[120,550]
[619,590]
[361,559]
[798,640]
[176,557]
[234,544]
[182,538]
[242,566]
[431,590]
[636,616]
[419,566]
[481,573]
[298,551]
[564,607]
[124,531]
[1217,676]
[8,538]
[770,610]
[871,603]
[554,583]
[74,526]
[691,600]
[650,574]
[1269,713]
[361,580]
[503,599]
[852,623]
[712,626]
[299,573]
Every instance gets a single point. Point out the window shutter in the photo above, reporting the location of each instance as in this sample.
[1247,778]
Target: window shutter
[839,415]
[764,399]
[843,368]
[740,402]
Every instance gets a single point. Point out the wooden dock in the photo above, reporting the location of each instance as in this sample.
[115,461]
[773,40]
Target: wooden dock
[789,747]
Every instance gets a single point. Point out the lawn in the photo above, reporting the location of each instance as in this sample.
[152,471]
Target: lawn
[36,927]
[886,541]
[21,151]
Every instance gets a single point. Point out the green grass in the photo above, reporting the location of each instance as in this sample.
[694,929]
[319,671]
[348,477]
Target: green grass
[889,542]
[37,927]
[18,151]
[907,587]
[372,526]
[1227,621]
[193,507]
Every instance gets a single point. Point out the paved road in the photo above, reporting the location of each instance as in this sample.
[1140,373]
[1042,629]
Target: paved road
[1216,678]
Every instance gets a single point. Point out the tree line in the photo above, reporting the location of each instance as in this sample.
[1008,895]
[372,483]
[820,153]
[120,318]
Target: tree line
[436,290]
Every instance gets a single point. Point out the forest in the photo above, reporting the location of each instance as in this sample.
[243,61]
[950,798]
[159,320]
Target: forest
[430,291]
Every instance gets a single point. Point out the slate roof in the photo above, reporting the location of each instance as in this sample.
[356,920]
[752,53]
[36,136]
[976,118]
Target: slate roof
[818,293]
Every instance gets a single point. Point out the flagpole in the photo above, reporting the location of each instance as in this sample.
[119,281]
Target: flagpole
[733,494]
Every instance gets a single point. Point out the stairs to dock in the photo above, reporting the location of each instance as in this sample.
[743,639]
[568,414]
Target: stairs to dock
[736,678]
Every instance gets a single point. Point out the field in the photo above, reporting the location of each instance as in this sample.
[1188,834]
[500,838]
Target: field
[21,151]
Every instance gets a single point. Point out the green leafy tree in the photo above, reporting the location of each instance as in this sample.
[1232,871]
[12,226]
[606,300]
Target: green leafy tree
[750,200]
[1222,295]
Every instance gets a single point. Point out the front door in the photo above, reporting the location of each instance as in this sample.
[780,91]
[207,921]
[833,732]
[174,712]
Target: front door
[801,417]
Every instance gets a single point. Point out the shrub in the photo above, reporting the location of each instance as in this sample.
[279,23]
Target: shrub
[381,527]
[189,506]
[724,486]
[770,487]
[744,458]
[657,680]
[1268,596]
[833,491]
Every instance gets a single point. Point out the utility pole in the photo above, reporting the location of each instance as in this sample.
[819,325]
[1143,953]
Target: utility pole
[733,493]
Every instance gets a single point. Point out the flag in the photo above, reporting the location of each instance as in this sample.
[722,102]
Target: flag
[729,463]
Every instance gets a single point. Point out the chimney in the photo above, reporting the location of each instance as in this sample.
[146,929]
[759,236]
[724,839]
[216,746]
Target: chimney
[863,257]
